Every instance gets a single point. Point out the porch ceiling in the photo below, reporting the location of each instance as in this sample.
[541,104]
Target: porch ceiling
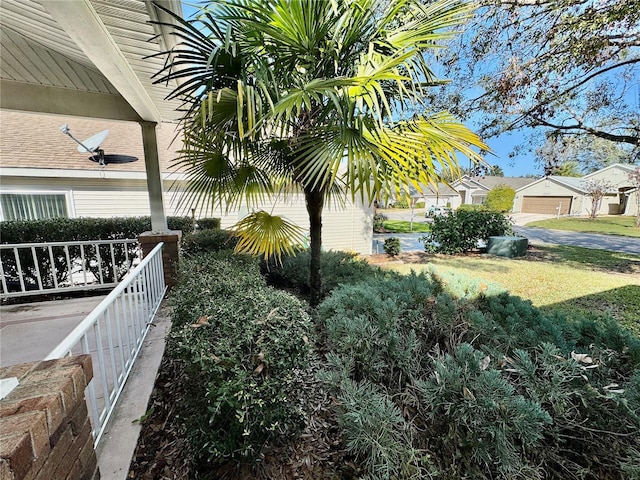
[85,58]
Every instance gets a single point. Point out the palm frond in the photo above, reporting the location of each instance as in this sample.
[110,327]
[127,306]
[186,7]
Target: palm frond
[260,233]
[313,95]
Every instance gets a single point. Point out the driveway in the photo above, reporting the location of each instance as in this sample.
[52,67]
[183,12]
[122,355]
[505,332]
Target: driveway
[613,243]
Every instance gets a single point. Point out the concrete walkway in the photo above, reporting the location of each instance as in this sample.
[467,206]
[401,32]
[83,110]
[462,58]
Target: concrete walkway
[29,332]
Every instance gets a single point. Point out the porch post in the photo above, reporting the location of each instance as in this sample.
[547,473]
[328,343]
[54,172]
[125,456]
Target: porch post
[154,179]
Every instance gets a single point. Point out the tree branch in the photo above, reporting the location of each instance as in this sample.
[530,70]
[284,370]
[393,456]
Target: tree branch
[630,139]
[530,111]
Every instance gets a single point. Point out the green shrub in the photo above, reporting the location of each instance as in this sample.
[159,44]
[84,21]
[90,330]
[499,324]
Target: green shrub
[208,223]
[490,386]
[500,198]
[461,231]
[337,268]
[378,222]
[210,240]
[185,224]
[377,433]
[472,207]
[401,203]
[486,421]
[243,350]
[77,229]
[419,205]
[392,246]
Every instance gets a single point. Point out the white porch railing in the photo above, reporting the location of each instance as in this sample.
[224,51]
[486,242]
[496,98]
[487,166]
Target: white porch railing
[113,334]
[52,267]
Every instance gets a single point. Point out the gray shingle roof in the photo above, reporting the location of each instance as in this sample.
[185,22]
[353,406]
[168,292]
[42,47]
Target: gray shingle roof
[490,181]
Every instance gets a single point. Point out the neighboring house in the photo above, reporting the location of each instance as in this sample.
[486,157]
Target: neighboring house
[43,175]
[621,201]
[470,190]
[473,190]
[442,196]
[568,195]
[552,195]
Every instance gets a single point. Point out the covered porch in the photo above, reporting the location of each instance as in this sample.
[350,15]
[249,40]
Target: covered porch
[91,59]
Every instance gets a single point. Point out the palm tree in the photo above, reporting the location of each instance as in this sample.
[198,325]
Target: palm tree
[312,96]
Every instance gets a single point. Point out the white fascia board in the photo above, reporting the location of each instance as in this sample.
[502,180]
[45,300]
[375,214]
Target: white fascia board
[82,23]
[480,185]
[568,185]
[622,166]
[157,15]
[466,182]
[554,180]
[86,174]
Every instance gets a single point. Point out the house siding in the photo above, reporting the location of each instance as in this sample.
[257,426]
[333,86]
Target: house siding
[616,176]
[632,204]
[349,228]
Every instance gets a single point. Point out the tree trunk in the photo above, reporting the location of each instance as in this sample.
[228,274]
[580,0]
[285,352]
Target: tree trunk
[315,202]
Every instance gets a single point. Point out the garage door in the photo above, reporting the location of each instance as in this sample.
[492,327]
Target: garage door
[546,205]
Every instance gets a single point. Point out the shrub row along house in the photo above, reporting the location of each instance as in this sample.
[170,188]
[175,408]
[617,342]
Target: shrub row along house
[43,175]
[547,195]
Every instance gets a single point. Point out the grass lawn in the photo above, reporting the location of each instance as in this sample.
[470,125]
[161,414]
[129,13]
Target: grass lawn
[577,281]
[402,226]
[611,225]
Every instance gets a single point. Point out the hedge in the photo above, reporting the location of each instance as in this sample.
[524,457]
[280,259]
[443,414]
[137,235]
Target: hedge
[242,350]
[79,229]
[433,379]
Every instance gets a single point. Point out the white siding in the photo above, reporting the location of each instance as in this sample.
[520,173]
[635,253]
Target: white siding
[123,202]
[349,228]
[616,176]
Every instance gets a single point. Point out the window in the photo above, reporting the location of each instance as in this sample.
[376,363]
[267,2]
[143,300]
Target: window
[33,206]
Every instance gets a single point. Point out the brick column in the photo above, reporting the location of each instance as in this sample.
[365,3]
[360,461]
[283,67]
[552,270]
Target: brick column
[45,431]
[170,251]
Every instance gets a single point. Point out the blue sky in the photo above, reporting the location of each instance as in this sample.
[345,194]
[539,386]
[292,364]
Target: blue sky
[501,147]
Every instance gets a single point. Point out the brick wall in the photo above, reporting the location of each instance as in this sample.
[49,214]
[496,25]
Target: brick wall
[170,252]
[45,432]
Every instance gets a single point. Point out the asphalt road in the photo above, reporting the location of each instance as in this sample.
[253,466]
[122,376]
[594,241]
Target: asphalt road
[613,243]
[540,236]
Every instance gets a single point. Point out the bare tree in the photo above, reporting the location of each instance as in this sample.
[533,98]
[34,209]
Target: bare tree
[596,190]
[634,178]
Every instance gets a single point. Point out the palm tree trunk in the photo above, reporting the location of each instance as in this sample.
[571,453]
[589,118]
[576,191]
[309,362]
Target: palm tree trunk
[315,201]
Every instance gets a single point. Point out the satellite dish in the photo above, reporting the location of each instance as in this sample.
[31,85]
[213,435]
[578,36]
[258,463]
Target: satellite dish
[92,145]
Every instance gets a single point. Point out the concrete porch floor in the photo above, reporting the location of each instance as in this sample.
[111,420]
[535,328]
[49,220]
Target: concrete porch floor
[29,332]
